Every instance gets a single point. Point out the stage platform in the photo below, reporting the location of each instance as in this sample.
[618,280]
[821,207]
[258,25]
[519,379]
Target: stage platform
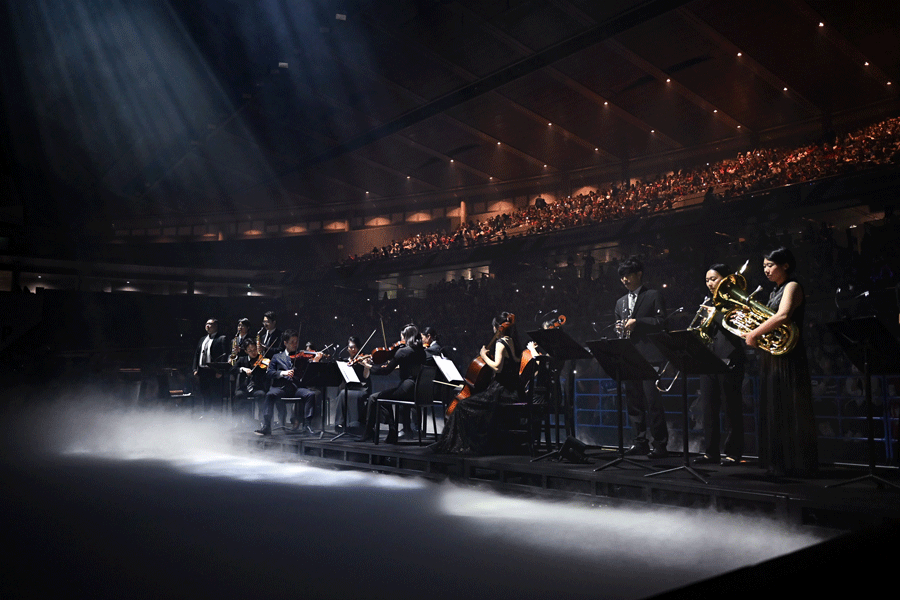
[742,488]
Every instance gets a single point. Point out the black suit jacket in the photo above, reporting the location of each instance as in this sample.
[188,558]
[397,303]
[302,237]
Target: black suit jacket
[217,352]
[650,316]
[275,343]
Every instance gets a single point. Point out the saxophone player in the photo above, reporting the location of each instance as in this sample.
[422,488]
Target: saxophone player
[727,386]
[642,311]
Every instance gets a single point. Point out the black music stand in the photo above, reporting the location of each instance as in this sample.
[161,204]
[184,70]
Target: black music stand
[349,377]
[620,360]
[873,350]
[691,357]
[322,375]
[559,346]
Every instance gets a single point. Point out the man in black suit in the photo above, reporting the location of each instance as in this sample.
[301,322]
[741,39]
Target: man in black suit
[251,381]
[283,385]
[270,342]
[210,349]
[641,312]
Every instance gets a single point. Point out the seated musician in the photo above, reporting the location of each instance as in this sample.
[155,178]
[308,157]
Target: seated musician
[356,396]
[471,426]
[251,382]
[284,385]
[409,358]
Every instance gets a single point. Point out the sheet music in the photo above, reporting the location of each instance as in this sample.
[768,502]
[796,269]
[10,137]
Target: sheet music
[448,369]
[348,372]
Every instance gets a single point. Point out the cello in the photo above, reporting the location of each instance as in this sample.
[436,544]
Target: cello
[478,374]
[528,365]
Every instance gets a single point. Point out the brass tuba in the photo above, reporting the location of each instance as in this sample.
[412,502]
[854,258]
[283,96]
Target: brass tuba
[742,314]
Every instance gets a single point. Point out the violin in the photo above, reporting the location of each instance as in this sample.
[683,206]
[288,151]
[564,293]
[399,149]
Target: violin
[380,356]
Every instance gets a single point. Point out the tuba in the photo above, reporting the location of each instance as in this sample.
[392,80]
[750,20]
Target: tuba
[741,314]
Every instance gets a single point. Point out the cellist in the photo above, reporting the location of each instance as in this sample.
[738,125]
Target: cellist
[471,426]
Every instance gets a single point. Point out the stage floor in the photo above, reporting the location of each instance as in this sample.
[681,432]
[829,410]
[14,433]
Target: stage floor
[741,488]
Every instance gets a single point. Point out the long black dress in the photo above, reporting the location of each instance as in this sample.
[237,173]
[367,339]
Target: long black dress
[472,427]
[787,428]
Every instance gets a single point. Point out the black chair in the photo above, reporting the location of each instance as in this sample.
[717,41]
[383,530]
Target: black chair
[424,399]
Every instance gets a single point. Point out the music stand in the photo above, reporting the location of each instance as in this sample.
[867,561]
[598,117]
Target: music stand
[872,349]
[559,346]
[349,377]
[691,357]
[322,375]
[620,360]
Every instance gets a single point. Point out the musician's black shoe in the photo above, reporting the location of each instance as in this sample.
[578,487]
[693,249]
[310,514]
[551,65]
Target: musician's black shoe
[639,448]
[391,438]
[658,452]
[408,434]
[706,459]
[263,431]
[730,461]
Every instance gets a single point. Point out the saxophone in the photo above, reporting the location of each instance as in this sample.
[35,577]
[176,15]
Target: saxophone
[742,314]
[235,349]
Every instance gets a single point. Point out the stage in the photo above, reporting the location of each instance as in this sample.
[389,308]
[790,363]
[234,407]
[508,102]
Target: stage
[741,488]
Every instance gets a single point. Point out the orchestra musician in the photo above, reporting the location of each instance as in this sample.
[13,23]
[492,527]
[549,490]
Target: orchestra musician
[641,312]
[471,427]
[283,385]
[243,335]
[714,389]
[408,358]
[787,431]
[250,380]
[270,338]
[356,398]
[210,349]
[430,343]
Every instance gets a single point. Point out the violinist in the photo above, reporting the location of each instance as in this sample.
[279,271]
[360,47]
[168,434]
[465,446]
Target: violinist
[409,358]
[430,343]
[471,427]
[283,385]
[356,398]
[250,380]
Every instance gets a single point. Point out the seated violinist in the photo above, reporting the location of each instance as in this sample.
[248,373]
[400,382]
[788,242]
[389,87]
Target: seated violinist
[409,358]
[250,382]
[283,384]
[471,426]
[356,397]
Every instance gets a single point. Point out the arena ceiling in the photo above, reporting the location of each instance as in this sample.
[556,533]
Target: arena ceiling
[215,106]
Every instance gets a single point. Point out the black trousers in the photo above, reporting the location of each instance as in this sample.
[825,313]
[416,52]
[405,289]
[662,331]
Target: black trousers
[713,390]
[646,413]
[275,394]
[405,391]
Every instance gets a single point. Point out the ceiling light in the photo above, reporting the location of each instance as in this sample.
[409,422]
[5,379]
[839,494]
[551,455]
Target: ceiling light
[715,110]
[668,80]
[785,89]
[821,24]
[739,54]
[866,64]
[549,124]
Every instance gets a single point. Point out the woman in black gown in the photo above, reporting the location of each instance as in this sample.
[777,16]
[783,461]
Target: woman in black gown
[471,428]
[787,429]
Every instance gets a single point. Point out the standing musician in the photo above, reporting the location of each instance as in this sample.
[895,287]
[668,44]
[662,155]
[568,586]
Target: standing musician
[409,358]
[270,338]
[243,335]
[210,349]
[251,381]
[727,386]
[283,384]
[356,398]
[641,312]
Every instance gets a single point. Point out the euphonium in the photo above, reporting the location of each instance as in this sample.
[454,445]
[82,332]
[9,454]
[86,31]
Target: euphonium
[742,314]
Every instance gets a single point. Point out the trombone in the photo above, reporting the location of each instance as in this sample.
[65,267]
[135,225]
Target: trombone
[705,316]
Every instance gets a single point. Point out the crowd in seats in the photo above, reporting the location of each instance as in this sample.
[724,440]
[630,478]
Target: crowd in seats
[756,170]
